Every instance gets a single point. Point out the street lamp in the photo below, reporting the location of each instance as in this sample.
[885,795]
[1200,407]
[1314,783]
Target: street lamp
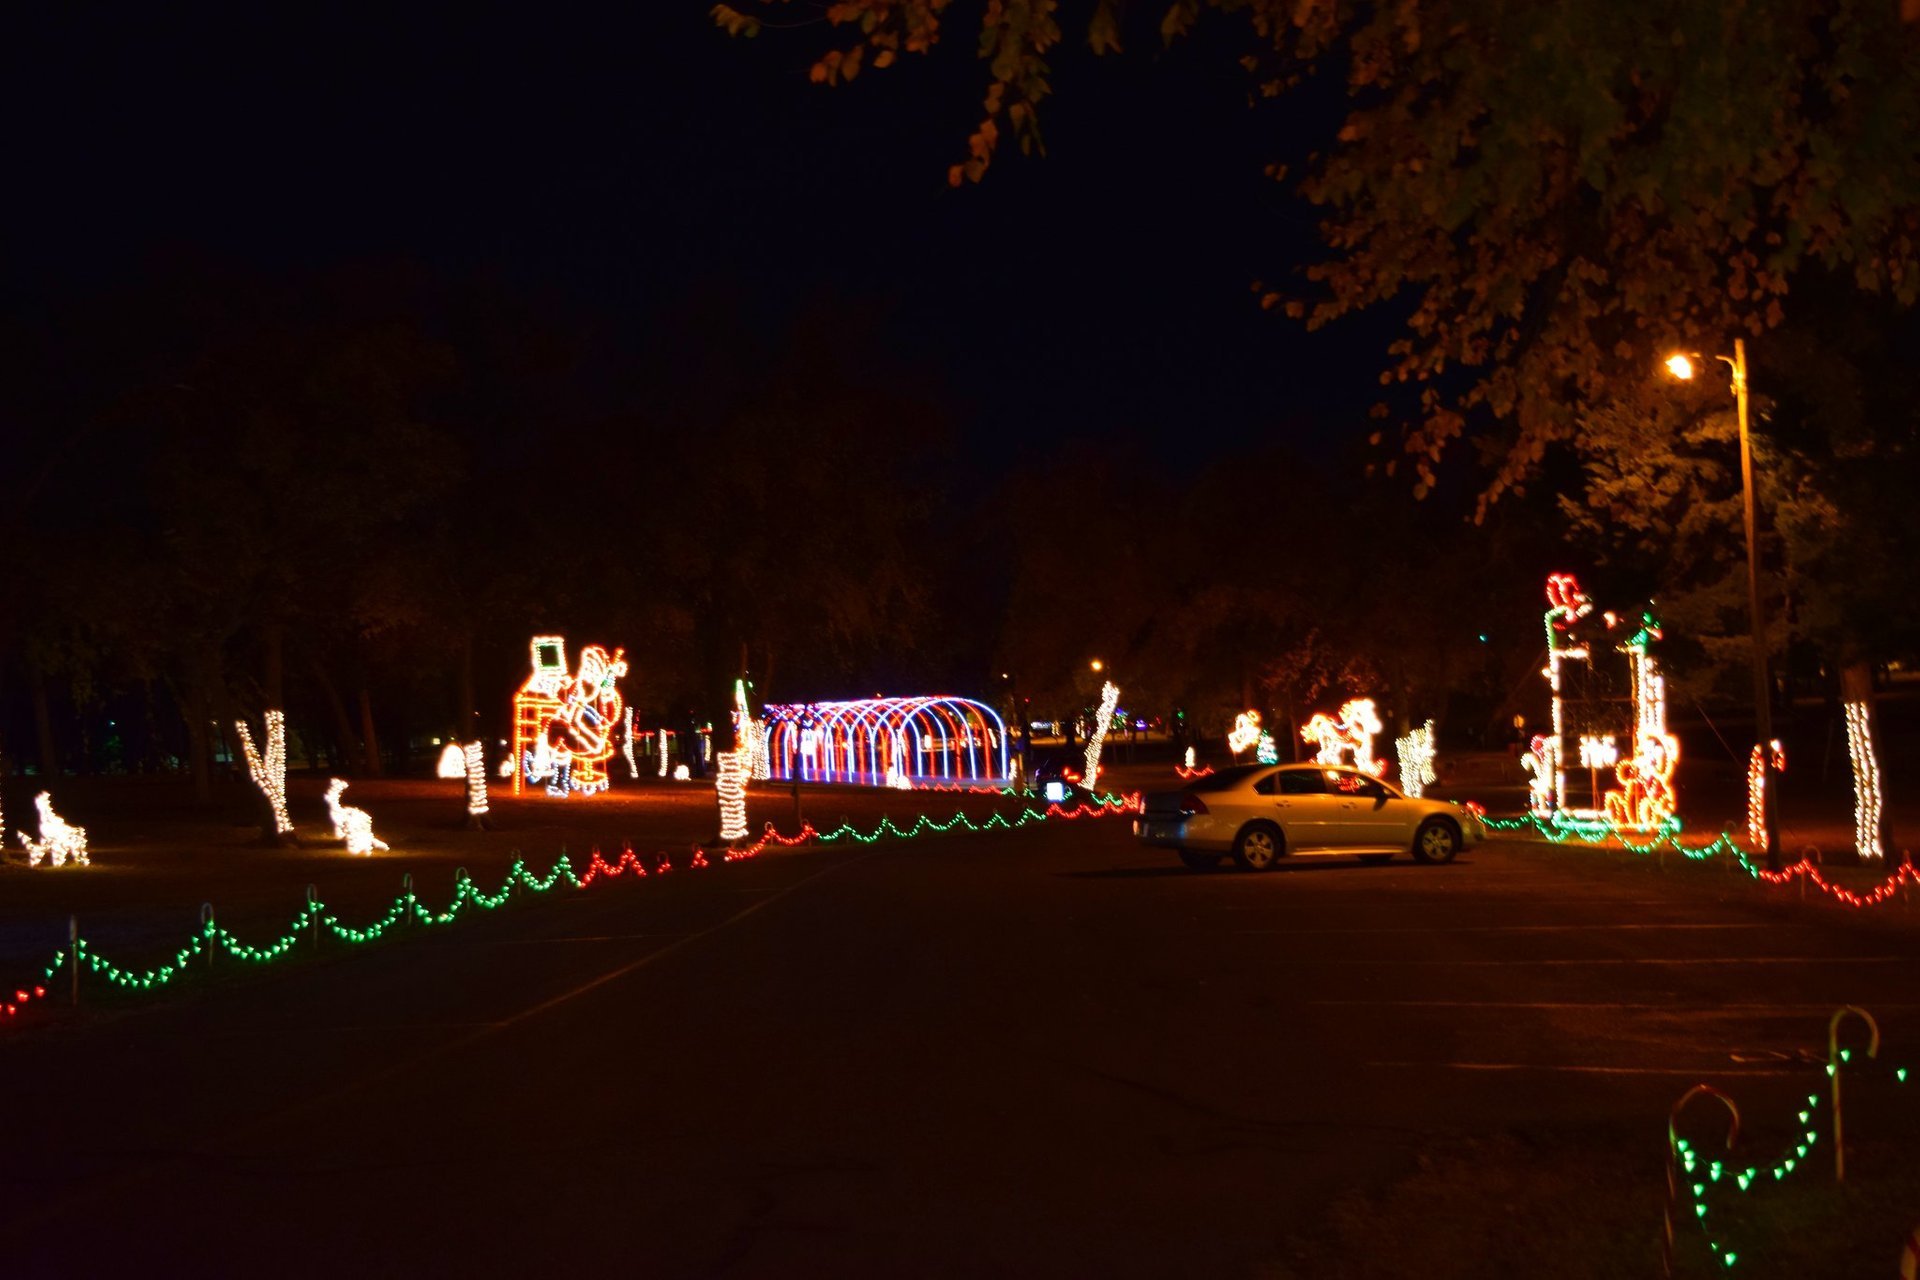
[1098,665]
[1681,367]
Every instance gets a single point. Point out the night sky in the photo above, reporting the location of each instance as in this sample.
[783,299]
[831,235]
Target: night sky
[614,164]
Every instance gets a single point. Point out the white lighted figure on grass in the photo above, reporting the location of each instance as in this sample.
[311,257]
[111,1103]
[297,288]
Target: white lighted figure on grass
[1245,733]
[60,841]
[1416,753]
[681,773]
[1348,739]
[355,826]
[453,762]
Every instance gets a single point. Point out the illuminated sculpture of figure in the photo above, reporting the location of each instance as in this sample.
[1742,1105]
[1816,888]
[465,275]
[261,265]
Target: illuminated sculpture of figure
[564,726]
[355,826]
[1245,732]
[1415,750]
[1645,796]
[60,841]
[1539,762]
[1350,735]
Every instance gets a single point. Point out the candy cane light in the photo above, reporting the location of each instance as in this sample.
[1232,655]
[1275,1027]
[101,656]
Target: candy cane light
[935,738]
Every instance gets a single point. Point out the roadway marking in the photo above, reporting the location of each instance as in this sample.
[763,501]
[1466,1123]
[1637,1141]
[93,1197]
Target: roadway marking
[1616,960]
[1581,1069]
[1796,1010]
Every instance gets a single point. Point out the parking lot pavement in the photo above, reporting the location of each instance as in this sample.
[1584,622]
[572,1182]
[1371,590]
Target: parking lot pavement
[1048,1052]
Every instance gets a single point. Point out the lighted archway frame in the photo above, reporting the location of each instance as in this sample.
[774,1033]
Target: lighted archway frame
[937,738]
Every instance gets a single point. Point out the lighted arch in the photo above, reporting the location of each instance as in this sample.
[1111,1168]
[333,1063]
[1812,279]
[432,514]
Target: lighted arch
[935,739]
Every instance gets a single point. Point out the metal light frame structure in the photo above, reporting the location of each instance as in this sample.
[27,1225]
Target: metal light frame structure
[937,738]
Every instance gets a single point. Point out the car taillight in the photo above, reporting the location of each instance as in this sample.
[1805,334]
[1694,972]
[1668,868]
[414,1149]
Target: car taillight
[1191,803]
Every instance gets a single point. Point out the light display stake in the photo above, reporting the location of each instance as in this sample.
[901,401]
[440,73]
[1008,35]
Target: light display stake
[1416,753]
[452,763]
[354,826]
[935,738]
[475,759]
[1349,736]
[1245,733]
[1102,719]
[269,773]
[730,784]
[563,725]
[1866,782]
[60,841]
[1757,790]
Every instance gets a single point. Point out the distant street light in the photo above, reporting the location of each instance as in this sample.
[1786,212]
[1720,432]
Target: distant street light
[1681,367]
[1098,665]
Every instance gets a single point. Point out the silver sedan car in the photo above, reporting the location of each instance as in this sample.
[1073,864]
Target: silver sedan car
[1262,813]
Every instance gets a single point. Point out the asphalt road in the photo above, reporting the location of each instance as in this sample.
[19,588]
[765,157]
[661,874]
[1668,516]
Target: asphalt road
[1044,1053]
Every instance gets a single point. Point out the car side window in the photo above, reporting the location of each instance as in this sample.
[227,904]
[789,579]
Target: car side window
[1266,786]
[1302,782]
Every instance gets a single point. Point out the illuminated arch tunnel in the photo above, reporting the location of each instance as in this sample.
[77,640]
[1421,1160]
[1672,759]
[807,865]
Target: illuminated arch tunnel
[933,739]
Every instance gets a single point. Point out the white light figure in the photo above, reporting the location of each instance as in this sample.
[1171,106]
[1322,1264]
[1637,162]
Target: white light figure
[681,773]
[60,841]
[355,826]
[453,762]
[1245,732]
[474,759]
[626,747]
[1416,753]
[1539,761]
[1757,790]
[1109,699]
[269,773]
[897,774]
[1190,759]
[730,784]
[762,751]
[1598,751]
[1349,736]
[663,753]
[506,767]
[1866,782]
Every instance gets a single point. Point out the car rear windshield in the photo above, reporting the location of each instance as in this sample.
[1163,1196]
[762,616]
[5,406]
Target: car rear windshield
[1227,779]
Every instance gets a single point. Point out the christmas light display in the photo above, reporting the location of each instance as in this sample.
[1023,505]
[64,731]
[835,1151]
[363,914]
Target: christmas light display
[1645,778]
[750,735]
[681,773]
[354,826]
[1190,759]
[452,763]
[563,725]
[1266,751]
[762,752]
[60,841]
[269,772]
[1245,732]
[474,757]
[663,753]
[730,784]
[1102,721]
[1644,799]
[314,916]
[932,739]
[1416,753]
[1866,782]
[1757,790]
[1539,764]
[1348,738]
[626,746]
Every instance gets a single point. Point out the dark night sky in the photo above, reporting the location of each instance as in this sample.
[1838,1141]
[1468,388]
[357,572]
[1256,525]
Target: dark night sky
[620,161]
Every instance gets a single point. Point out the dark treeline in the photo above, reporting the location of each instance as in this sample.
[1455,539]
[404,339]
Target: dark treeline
[357,495]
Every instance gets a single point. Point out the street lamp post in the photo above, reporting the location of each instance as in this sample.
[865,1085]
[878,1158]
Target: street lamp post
[1681,367]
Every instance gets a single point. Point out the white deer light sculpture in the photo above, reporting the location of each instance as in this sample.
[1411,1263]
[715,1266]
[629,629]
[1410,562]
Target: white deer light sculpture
[355,826]
[60,841]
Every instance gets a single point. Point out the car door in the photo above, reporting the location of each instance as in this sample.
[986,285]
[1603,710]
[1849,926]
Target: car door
[1306,812]
[1371,814]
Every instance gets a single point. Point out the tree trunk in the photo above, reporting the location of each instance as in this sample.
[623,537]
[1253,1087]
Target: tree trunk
[273,668]
[198,714]
[469,731]
[342,726]
[370,740]
[43,730]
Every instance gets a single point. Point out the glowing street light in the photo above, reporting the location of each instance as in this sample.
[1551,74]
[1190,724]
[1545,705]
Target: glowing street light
[1098,665]
[1680,366]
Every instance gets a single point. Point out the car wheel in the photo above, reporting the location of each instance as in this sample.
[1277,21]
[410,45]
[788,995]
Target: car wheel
[1258,846]
[1376,857]
[1199,861]
[1437,840]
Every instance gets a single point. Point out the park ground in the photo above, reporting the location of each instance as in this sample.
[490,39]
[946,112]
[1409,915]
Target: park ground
[1041,1052]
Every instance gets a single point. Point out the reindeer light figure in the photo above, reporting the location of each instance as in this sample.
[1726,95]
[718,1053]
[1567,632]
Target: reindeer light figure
[60,841]
[1350,735]
[355,826]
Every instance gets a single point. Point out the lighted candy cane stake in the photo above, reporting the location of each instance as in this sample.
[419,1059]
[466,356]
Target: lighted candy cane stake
[1835,1057]
[1109,699]
[1757,790]
[1673,1161]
